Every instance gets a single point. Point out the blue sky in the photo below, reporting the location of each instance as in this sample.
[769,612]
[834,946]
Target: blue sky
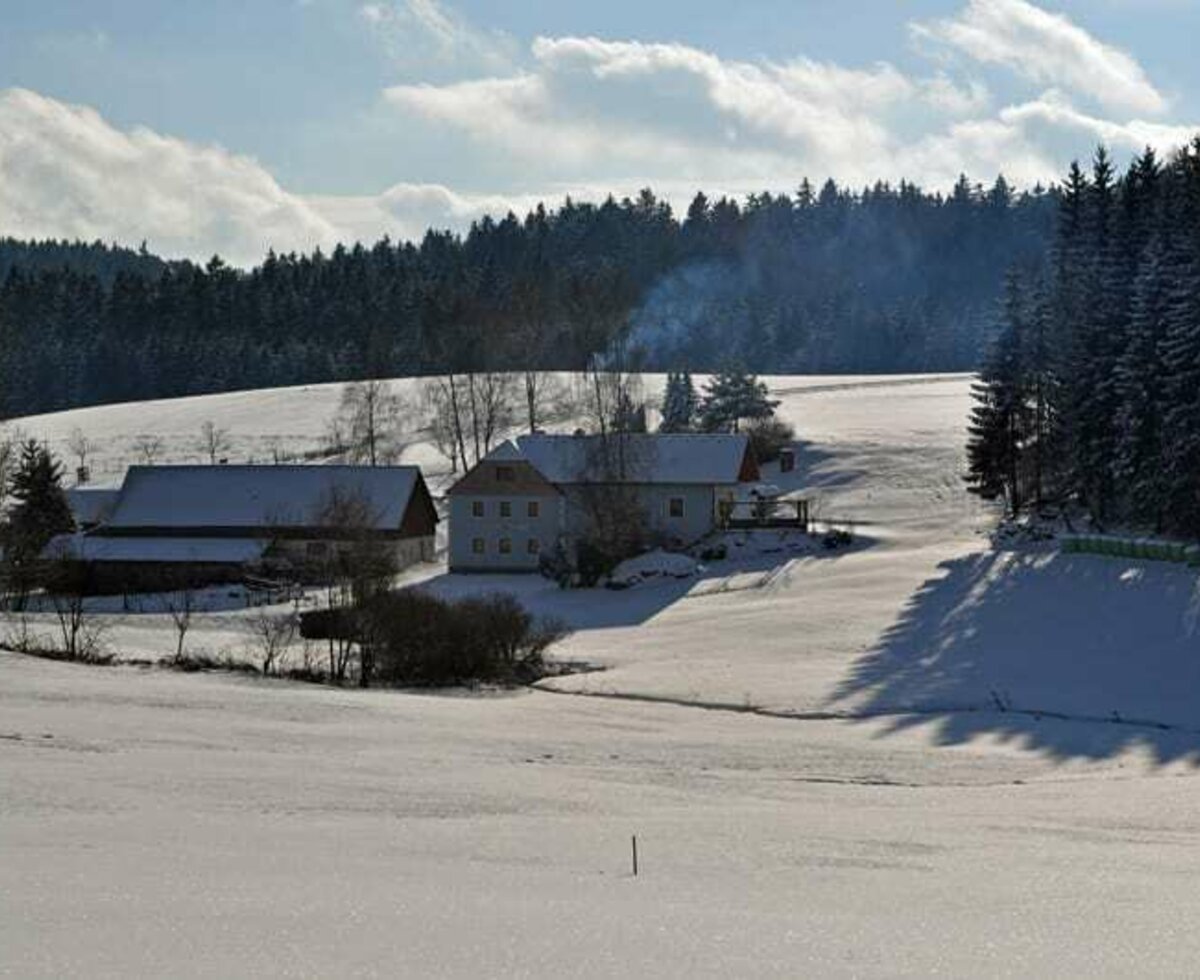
[236,126]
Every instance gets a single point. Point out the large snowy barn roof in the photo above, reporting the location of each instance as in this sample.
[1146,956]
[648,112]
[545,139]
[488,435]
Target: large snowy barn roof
[684,458]
[256,497]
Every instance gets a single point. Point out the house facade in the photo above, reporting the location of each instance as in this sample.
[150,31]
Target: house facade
[221,523]
[536,491]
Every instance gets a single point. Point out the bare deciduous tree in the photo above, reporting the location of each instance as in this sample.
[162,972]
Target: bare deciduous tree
[368,421]
[9,441]
[490,397]
[214,441]
[80,630]
[180,605]
[148,448]
[271,634]
[357,566]
[469,413]
[441,421]
[81,448]
[611,398]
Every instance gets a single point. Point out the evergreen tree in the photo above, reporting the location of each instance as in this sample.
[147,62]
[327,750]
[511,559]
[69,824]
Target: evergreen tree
[628,415]
[1141,373]
[1095,379]
[895,279]
[40,510]
[679,403]
[1181,384]
[1000,420]
[731,397]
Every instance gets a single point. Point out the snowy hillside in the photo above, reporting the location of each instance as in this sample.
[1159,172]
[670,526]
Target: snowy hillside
[915,755]
[290,421]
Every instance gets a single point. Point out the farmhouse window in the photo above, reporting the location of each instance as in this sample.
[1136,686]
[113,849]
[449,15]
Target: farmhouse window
[534,546]
[506,508]
[533,508]
[505,474]
[506,546]
[675,507]
[477,546]
[476,508]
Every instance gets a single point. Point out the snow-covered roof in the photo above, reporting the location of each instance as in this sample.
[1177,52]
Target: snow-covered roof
[252,497]
[221,551]
[91,505]
[700,458]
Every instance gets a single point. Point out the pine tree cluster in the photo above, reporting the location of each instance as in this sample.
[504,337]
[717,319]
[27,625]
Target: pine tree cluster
[888,279]
[1091,392]
[730,398]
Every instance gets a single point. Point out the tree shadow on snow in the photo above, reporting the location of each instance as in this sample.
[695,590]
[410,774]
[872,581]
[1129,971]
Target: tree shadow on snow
[816,472]
[580,609]
[1073,655]
[603,608]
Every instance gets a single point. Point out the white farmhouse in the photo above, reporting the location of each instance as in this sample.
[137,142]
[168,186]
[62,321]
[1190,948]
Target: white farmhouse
[533,492]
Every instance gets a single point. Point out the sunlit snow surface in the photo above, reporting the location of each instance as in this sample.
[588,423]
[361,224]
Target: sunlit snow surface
[915,756]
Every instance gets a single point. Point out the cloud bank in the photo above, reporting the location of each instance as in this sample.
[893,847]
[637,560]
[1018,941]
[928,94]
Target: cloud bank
[67,173]
[1048,49]
[587,116]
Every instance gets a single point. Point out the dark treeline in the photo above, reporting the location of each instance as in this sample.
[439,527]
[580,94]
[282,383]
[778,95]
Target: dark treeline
[1091,395]
[96,259]
[890,279]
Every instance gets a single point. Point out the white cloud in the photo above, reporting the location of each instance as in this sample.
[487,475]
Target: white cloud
[418,33]
[66,172]
[1048,49]
[668,109]
[587,108]
[1031,142]
[943,94]
[583,117]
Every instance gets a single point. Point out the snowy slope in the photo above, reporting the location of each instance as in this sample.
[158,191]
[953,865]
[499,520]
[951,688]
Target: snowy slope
[291,420]
[914,756]
[187,826]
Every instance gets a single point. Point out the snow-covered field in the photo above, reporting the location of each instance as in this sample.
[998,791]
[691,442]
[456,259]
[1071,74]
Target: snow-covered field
[913,756]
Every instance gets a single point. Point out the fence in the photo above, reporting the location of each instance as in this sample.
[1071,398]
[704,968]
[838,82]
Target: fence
[1149,549]
[764,513]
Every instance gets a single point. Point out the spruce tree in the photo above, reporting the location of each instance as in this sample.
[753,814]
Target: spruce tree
[40,510]
[1138,465]
[679,403]
[1000,420]
[734,396]
[1181,385]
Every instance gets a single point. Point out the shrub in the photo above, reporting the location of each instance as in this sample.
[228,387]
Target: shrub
[418,639]
[769,437]
[557,566]
[190,663]
[593,562]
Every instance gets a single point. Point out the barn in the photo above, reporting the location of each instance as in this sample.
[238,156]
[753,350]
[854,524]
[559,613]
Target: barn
[221,523]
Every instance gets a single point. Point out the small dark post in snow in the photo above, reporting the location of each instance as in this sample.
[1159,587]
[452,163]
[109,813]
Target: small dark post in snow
[634,842]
